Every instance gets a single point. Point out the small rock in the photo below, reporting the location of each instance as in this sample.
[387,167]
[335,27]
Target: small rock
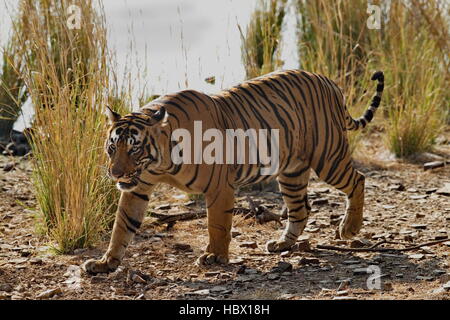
[344,284]
[446,286]
[137,279]
[301,246]
[431,190]
[342,293]
[282,266]
[182,247]
[236,261]
[165,206]
[397,187]
[203,292]
[35,261]
[425,278]
[273,276]
[306,261]
[419,226]
[387,286]
[433,165]
[249,244]
[49,293]
[218,289]
[9,166]
[235,233]
[441,236]
[98,279]
[445,190]
[319,202]
[210,274]
[418,197]
[344,298]
[348,262]
[6,287]
[417,256]
[360,271]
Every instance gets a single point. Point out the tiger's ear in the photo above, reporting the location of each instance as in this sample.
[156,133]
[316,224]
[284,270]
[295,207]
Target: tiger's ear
[161,116]
[112,116]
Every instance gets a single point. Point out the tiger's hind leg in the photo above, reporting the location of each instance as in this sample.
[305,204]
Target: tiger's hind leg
[293,188]
[348,180]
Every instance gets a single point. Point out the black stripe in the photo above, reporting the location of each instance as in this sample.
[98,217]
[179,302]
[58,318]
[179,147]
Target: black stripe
[141,196]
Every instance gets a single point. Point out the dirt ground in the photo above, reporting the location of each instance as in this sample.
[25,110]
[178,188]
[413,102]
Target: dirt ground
[403,204]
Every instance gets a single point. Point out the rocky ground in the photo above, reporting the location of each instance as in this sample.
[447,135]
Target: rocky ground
[404,204]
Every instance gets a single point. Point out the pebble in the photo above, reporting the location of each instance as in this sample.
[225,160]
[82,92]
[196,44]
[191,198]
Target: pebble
[397,187]
[319,202]
[433,165]
[6,287]
[49,293]
[9,166]
[305,261]
[165,206]
[445,190]
[417,256]
[182,247]
[425,278]
[301,246]
[446,286]
[360,271]
[419,226]
[282,266]
[210,274]
[273,276]
[344,298]
[249,244]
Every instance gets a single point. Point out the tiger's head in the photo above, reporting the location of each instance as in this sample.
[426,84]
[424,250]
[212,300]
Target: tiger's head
[135,143]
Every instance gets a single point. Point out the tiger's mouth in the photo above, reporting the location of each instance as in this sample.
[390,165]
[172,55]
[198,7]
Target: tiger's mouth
[126,185]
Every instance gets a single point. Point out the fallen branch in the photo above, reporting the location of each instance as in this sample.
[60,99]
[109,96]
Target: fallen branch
[261,214]
[375,248]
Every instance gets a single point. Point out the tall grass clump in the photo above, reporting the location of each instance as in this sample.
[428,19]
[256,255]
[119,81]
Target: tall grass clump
[411,48]
[12,86]
[415,61]
[333,40]
[67,81]
[261,42]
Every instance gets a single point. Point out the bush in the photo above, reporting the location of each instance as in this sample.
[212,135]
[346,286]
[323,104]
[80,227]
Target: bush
[68,80]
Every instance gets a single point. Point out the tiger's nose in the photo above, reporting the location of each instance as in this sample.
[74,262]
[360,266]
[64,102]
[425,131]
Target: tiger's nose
[117,172]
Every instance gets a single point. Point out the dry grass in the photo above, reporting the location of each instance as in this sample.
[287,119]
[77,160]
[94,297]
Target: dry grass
[410,48]
[12,87]
[261,41]
[68,81]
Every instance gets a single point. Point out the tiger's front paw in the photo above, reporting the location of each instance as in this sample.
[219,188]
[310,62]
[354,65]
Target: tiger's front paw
[211,258]
[103,265]
[278,246]
[350,227]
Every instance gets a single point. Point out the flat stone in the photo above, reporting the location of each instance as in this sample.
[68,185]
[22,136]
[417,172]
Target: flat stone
[418,197]
[182,247]
[49,293]
[433,165]
[425,278]
[273,276]
[165,206]
[282,266]
[203,292]
[319,202]
[306,261]
[419,226]
[344,298]
[248,244]
[360,271]
[445,190]
[417,256]
[397,187]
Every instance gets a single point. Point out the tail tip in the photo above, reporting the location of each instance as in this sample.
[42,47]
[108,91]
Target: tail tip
[379,75]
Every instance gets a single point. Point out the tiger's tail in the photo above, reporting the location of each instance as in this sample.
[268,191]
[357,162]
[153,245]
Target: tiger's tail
[355,124]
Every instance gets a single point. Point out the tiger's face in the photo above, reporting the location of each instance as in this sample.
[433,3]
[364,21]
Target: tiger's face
[133,145]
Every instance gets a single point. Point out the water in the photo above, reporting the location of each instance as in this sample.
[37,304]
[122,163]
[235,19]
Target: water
[181,42]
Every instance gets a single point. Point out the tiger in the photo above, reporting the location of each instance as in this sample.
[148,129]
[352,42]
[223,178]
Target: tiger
[311,116]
